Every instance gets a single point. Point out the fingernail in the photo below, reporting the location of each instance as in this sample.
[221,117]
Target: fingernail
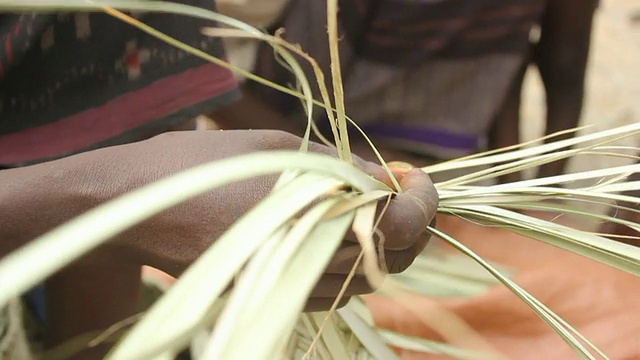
[400,166]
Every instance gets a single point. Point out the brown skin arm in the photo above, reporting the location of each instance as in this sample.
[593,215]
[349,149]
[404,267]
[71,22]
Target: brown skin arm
[561,57]
[37,198]
[85,296]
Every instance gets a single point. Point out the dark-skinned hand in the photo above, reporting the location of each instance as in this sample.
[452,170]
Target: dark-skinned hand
[172,240]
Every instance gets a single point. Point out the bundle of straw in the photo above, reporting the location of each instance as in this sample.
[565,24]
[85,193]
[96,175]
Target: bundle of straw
[279,256]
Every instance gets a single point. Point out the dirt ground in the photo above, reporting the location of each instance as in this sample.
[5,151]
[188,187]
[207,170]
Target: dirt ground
[613,80]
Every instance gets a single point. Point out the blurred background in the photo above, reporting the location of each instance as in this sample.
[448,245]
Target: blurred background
[613,81]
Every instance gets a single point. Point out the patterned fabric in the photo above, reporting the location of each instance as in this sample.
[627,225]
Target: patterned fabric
[421,75]
[78,81]
[75,82]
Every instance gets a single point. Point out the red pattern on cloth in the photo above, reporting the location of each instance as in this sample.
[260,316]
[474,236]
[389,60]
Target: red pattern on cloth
[128,111]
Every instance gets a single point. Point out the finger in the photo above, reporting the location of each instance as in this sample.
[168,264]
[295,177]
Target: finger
[344,259]
[370,168]
[324,304]
[398,170]
[396,261]
[331,284]
[410,212]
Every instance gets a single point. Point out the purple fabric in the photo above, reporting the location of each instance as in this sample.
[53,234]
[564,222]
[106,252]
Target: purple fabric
[415,133]
[424,134]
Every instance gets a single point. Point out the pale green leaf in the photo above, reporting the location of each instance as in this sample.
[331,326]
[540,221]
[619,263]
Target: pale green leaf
[366,333]
[287,299]
[613,253]
[615,133]
[96,226]
[545,313]
[261,276]
[171,321]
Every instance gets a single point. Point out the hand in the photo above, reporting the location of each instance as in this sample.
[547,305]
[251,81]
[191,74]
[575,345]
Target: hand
[403,226]
[173,239]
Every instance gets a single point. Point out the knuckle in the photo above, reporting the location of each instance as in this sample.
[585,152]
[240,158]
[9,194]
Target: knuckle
[277,139]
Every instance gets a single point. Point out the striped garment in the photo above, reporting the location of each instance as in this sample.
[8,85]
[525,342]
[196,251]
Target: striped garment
[426,76]
[75,82]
